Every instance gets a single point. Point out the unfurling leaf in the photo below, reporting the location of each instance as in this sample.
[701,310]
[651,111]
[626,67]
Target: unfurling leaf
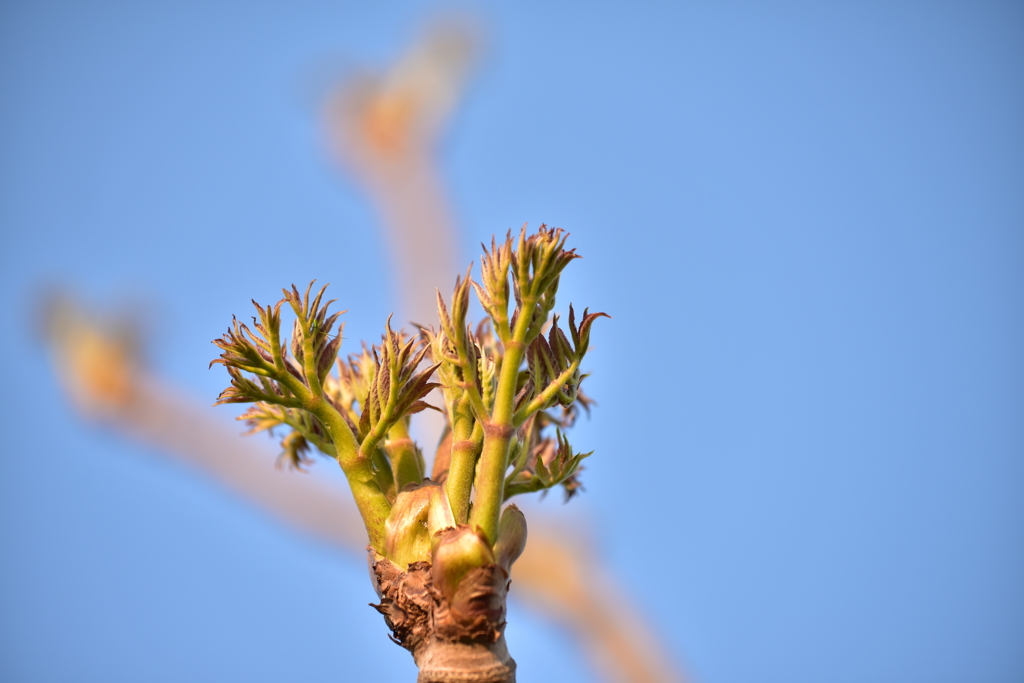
[550,463]
[398,386]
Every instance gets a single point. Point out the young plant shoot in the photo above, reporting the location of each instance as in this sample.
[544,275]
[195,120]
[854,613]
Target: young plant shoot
[441,547]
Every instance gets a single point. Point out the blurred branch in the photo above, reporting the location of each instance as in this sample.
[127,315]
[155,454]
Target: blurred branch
[102,375]
[385,129]
[562,578]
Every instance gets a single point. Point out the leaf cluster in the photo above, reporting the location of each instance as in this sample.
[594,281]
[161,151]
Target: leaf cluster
[511,387]
[291,385]
[502,378]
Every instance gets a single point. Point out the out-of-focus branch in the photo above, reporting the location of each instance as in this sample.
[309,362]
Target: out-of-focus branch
[384,129]
[97,364]
[561,577]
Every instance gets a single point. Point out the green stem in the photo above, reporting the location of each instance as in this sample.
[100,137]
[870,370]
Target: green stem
[382,473]
[371,501]
[501,327]
[462,468]
[379,430]
[524,457]
[490,480]
[490,475]
[469,374]
[275,342]
[286,401]
[310,360]
[505,394]
[541,400]
[405,464]
[294,385]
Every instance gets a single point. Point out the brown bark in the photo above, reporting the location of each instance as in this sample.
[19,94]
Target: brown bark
[456,638]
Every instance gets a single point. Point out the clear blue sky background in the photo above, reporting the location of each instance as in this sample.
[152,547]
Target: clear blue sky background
[807,220]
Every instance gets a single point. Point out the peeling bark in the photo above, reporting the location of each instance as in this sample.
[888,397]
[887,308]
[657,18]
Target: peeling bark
[453,639]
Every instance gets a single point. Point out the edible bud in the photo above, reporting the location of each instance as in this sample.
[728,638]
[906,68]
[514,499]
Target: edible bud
[511,537]
[440,515]
[457,552]
[406,536]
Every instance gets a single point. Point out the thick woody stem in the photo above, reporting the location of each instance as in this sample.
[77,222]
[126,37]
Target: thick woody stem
[457,638]
[446,662]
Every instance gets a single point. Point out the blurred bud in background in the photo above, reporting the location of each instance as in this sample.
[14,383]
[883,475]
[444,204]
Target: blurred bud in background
[96,359]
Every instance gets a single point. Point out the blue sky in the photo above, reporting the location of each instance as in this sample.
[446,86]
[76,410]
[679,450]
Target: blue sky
[807,221]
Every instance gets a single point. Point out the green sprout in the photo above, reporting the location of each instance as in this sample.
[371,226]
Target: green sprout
[441,547]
